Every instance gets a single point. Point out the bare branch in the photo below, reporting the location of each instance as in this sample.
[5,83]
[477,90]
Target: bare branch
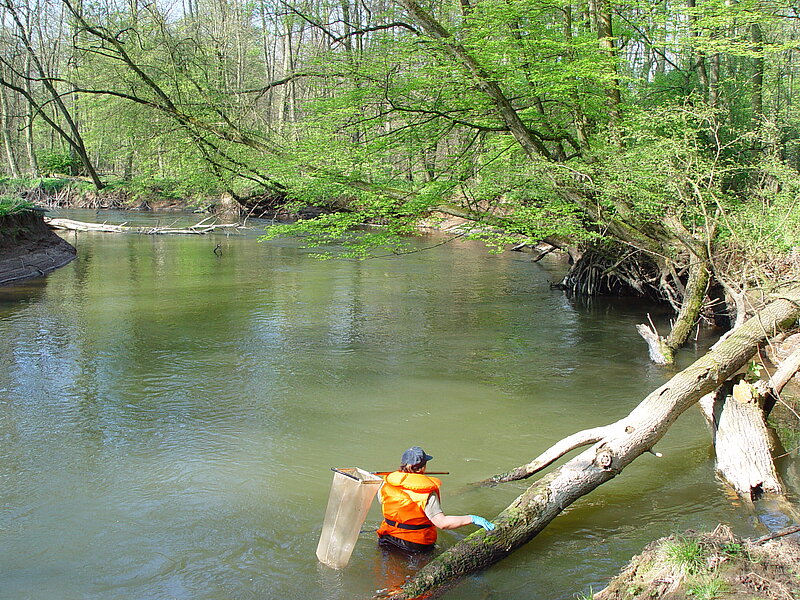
[552,454]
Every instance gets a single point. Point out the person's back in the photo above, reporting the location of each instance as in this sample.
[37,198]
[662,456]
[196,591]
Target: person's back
[412,511]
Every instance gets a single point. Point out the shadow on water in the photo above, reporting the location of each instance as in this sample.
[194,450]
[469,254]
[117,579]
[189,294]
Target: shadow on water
[16,296]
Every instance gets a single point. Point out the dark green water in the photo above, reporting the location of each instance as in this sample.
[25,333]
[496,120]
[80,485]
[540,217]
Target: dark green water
[168,417]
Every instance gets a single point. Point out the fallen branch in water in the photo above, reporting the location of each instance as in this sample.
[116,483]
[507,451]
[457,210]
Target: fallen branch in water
[198,229]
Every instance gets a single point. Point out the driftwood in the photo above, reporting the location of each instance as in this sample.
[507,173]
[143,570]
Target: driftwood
[200,228]
[614,447]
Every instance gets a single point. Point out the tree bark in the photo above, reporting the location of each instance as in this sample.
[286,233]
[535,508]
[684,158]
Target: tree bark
[741,440]
[5,129]
[617,445]
[662,350]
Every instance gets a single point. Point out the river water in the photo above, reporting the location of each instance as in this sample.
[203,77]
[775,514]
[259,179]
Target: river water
[169,416]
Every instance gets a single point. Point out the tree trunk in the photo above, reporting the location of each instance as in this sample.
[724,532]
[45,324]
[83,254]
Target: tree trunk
[605,34]
[757,93]
[615,446]
[5,129]
[741,440]
[662,350]
[33,164]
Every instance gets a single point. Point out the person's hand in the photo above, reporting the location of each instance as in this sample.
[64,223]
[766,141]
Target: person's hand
[487,525]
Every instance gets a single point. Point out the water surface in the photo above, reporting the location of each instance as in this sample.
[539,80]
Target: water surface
[169,416]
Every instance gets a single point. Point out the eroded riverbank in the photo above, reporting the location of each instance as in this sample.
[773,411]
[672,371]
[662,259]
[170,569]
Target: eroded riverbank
[29,248]
[716,565]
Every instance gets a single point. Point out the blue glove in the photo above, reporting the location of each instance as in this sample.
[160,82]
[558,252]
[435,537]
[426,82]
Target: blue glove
[476,520]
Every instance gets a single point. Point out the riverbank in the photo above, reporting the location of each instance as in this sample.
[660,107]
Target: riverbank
[29,248]
[146,194]
[715,565]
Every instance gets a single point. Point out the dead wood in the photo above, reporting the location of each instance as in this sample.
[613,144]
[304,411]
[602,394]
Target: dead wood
[736,414]
[198,229]
[741,440]
[621,443]
[777,534]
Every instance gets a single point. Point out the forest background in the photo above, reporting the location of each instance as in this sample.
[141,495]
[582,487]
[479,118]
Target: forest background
[654,141]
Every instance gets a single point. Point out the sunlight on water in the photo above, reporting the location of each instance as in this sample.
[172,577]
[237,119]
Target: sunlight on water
[169,417]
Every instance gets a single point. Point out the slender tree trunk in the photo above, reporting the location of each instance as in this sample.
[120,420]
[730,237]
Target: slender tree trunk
[713,81]
[614,447]
[757,92]
[605,35]
[33,164]
[697,58]
[5,130]
[290,98]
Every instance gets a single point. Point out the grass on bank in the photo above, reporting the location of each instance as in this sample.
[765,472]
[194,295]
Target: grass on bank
[9,205]
[710,566]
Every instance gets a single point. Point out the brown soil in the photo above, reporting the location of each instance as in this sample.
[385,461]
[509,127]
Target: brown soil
[28,248]
[719,566]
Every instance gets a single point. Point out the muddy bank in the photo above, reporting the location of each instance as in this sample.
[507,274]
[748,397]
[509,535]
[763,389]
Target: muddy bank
[28,248]
[710,565]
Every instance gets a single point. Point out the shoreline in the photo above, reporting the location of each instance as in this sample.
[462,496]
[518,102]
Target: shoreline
[29,248]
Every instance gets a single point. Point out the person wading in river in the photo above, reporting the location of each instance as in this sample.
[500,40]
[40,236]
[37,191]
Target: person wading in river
[411,507]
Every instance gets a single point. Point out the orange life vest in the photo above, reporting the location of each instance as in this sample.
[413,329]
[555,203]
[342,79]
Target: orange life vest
[404,496]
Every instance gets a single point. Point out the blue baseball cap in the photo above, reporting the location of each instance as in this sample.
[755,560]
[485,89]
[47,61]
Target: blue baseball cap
[414,456]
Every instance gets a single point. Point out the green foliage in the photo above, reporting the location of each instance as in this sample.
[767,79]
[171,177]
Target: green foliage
[707,590]
[343,235]
[56,161]
[735,549]
[10,205]
[391,124]
[753,372]
[587,596]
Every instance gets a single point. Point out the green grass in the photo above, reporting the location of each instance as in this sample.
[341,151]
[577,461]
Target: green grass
[687,554]
[10,205]
[708,590]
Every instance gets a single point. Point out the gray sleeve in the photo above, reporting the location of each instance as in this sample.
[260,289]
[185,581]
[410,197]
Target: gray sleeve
[434,506]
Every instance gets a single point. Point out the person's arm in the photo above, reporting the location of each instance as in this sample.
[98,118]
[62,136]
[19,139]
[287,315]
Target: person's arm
[433,510]
[443,521]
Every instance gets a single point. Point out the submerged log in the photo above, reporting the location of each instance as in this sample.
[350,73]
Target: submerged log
[736,414]
[614,447]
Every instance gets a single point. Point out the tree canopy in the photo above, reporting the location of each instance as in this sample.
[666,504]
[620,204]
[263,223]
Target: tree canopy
[656,140]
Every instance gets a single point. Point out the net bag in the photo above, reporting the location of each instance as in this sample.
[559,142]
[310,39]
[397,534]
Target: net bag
[351,495]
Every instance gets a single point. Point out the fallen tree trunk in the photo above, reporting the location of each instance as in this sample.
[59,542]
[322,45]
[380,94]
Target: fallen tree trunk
[198,229]
[615,446]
